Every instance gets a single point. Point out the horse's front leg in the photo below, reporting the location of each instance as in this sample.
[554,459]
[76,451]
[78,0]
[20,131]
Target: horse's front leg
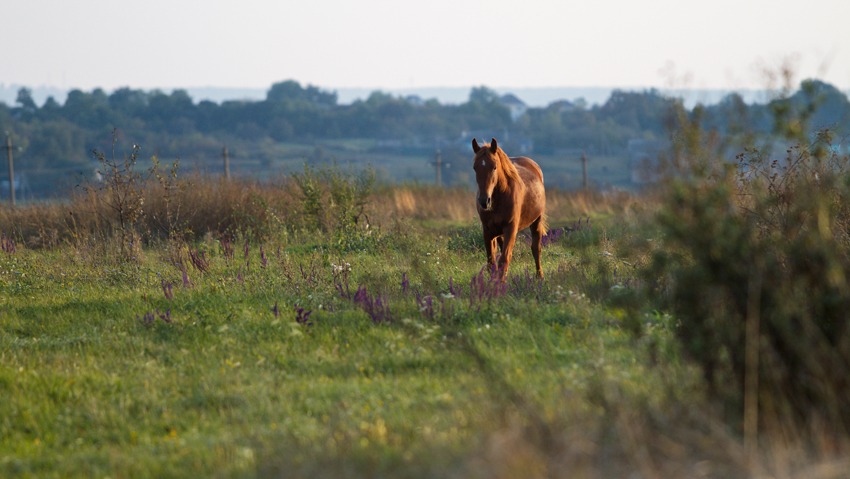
[508,241]
[490,247]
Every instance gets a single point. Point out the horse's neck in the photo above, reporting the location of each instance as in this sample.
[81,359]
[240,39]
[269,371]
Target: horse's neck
[506,180]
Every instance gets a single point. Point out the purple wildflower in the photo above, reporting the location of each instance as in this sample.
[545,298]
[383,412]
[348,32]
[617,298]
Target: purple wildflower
[487,284]
[275,310]
[375,306]
[552,236]
[227,246]
[341,284]
[150,317]
[199,260]
[166,289]
[405,284]
[525,284]
[302,316]
[147,319]
[426,306]
[7,244]
[246,249]
[453,289]
[263,260]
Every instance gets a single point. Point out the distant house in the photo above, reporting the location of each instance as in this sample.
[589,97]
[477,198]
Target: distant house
[514,105]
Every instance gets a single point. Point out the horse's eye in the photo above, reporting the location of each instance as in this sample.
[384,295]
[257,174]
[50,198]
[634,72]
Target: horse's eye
[494,168]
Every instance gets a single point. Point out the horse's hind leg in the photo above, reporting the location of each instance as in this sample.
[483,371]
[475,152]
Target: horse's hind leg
[536,239]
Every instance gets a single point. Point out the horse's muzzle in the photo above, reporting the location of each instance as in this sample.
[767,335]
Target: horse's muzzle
[485,203]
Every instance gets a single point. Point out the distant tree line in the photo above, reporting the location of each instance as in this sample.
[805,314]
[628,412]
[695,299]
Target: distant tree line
[56,137]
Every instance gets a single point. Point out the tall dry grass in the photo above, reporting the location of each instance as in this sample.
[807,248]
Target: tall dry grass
[207,205]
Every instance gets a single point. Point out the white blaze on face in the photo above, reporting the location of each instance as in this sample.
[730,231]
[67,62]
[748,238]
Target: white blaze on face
[482,162]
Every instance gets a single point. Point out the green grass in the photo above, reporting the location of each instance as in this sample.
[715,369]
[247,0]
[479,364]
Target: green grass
[230,390]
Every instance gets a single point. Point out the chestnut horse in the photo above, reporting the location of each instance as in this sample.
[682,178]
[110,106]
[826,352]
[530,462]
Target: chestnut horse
[510,198]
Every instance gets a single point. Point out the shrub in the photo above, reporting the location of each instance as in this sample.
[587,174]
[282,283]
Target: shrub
[758,274]
[121,190]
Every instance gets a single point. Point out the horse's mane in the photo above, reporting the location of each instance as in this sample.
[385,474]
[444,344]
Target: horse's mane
[509,171]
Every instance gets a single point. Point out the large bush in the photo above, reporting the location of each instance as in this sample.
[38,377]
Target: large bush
[756,268]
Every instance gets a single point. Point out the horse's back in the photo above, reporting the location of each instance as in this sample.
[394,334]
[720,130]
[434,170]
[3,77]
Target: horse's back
[534,203]
[527,163]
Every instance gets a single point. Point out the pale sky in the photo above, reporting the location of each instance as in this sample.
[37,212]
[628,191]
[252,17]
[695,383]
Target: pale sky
[400,44]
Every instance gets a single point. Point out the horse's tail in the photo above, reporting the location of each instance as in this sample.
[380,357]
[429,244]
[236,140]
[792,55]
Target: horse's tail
[543,226]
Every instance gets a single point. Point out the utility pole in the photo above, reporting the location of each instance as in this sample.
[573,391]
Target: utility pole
[438,167]
[226,163]
[11,168]
[584,170]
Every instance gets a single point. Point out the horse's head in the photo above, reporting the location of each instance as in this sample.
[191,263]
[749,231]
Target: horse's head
[486,165]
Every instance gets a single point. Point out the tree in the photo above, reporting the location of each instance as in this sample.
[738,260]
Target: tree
[291,90]
[25,99]
[482,94]
[129,102]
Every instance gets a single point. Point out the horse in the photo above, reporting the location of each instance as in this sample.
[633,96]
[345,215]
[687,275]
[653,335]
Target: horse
[510,198]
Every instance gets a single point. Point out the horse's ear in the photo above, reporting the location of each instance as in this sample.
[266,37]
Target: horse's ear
[475,146]
[493,146]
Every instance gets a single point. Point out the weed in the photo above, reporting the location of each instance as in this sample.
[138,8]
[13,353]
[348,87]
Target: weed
[198,260]
[148,318]
[7,244]
[487,285]
[376,306]
[123,188]
[227,247]
[302,316]
[166,290]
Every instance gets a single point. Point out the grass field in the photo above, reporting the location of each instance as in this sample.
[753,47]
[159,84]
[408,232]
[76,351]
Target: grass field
[325,325]
[115,368]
